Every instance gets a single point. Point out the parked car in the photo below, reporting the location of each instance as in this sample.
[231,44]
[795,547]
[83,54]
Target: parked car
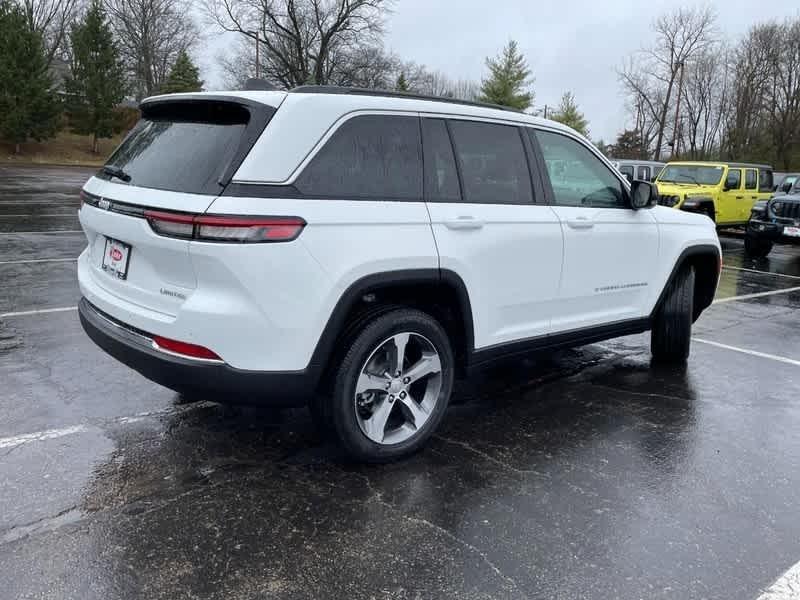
[646,170]
[725,192]
[357,250]
[785,182]
[774,221]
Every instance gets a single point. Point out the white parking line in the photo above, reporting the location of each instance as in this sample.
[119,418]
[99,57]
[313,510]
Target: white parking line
[761,272]
[49,434]
[787,587]
[18,440]
[783,359]
[43,311]
[20,215]
[38,232]
[756,295]
[36,260]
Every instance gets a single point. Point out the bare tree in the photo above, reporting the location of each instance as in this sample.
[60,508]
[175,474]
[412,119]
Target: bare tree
[652,74]
[308,41]
[151,34]
[704,102]
[784,95]
[51,19]
[754,64]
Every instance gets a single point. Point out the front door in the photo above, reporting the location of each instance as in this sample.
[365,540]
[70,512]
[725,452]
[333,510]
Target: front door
[492,226]
[610,250]
[730,199]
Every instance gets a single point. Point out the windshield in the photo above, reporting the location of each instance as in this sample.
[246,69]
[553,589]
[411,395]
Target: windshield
[698,175]
[182,147]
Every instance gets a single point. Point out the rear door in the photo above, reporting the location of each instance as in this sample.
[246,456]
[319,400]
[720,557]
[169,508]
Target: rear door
[610,250]
[174,159]
[730,198]
[750,193]
[492,227]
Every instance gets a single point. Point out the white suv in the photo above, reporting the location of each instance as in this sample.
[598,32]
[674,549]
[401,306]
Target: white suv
[357,250]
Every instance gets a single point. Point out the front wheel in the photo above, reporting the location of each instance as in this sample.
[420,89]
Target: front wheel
[392,386]
[757,248]
[671,337]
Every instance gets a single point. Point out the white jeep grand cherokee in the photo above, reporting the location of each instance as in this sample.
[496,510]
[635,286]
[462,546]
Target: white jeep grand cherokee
[357,250]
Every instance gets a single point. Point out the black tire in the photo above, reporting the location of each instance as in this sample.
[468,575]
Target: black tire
[756,248]
[671,337]
[341,403]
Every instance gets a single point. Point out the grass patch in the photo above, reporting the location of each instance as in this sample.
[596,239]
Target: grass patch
[64,149]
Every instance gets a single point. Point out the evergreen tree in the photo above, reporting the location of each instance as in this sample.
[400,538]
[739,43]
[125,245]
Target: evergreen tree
[402,84]
[97,84]
[568,114]
[184,77]
[508,81]
[28,106]
[629,145]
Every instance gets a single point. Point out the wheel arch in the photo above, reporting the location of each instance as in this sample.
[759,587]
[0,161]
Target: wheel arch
[440,292]
[707,262]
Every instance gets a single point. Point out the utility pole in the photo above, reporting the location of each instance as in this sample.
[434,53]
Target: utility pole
[675,130]
[255,36]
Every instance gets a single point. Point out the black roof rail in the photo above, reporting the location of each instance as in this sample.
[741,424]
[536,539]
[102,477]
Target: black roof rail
[356,91]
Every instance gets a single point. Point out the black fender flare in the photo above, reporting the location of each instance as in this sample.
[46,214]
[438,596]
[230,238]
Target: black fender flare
[688,255]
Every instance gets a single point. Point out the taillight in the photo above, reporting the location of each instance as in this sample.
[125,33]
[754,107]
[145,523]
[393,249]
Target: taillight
[223,228]
[184,348]
[171,224]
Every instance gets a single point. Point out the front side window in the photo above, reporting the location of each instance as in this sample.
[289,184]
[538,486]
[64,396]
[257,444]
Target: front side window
[492,162]
[734,179]
[627,170]
[750,179]
[692,174]
[370,157]
[441,176]
[765,181]
[577,176]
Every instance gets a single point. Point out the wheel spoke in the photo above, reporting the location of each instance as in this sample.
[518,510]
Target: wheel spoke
[367,382]
[418,412]
[427,365]
[400,343]
[376,424]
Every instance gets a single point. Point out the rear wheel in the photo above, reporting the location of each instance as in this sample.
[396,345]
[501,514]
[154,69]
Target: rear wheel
[671,337]
[757,248]
[392,386]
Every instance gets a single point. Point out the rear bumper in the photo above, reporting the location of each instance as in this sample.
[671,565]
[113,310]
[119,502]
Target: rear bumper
[221,382]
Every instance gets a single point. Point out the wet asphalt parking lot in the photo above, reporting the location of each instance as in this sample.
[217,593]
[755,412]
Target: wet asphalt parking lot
[584,474]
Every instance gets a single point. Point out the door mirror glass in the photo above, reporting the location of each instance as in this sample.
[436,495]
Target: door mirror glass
[643,195]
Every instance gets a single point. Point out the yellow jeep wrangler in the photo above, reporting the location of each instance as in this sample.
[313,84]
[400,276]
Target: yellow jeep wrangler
[724,191]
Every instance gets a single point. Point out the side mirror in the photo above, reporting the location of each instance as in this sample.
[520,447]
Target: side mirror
[643,194]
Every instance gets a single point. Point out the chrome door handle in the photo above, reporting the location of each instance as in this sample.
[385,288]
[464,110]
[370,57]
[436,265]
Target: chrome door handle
[580,223]
[463,222]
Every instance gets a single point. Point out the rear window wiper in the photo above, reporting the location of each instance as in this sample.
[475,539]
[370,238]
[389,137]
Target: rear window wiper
[116,172]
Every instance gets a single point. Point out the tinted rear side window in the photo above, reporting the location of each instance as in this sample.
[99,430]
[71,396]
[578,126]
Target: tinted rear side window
[492,161]
[765,181]
[182,147]
[441,176]
[644,173]
[750,179]
[372,157]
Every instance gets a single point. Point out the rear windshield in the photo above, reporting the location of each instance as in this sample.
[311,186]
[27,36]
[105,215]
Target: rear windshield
[182,146]
[691,174]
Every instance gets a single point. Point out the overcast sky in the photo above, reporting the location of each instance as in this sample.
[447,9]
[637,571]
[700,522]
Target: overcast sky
[570,45]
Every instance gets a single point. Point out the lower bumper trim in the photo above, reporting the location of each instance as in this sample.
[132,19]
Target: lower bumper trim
[217,381]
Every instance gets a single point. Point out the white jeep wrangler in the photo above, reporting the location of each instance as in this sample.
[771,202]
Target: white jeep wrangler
[357,250]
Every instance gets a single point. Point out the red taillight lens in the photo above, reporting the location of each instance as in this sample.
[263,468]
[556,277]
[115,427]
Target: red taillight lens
[223,228]
[170,224]
[184,348]
[245,229]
